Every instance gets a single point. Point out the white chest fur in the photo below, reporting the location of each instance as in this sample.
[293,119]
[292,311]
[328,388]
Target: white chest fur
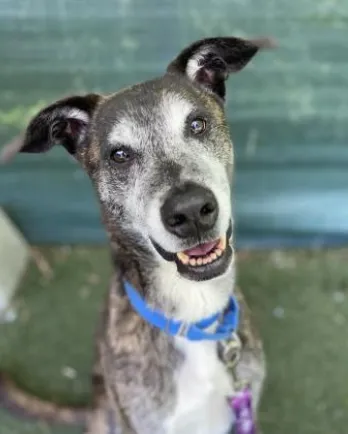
[202,386]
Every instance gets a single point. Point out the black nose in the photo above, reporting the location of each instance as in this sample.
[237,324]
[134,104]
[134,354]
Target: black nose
[189,210]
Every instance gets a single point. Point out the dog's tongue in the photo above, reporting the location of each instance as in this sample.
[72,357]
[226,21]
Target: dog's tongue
[201,249]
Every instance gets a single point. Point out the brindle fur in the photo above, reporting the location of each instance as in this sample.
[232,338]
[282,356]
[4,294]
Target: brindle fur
[142,353]
[134,377]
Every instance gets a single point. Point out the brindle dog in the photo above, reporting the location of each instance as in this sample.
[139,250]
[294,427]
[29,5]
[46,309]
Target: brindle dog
[161,159]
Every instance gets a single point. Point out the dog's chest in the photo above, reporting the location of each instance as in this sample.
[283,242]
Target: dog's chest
[202,386]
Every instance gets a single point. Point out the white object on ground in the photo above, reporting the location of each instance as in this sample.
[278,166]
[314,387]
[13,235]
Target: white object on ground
[14,257]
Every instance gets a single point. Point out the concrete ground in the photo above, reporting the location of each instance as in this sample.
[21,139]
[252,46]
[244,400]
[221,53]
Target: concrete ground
[299,300]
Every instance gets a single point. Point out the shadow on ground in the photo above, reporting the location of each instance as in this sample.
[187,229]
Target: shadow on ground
[300,304]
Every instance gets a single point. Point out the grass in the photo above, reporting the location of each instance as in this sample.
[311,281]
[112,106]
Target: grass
[300,304]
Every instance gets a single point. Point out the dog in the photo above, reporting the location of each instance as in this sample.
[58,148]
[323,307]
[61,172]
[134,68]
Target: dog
[160,157]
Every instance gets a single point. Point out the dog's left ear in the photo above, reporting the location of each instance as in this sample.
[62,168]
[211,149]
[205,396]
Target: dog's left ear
[210,61]
[65,122]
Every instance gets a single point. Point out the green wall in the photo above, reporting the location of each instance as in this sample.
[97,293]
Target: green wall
[288,110]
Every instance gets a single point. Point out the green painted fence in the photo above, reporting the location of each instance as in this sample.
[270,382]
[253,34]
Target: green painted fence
[288,110]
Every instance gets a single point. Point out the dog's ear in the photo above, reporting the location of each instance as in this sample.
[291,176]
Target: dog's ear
[65,122]
[210,61]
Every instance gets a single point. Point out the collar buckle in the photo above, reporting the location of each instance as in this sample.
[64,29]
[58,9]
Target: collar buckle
[230,350]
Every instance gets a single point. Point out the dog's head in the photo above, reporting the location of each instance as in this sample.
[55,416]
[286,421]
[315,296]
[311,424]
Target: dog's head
[160,156]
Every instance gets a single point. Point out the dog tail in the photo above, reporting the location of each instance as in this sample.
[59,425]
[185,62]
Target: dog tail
[26,406]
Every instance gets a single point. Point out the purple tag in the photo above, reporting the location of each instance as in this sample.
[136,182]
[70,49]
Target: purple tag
[241,404]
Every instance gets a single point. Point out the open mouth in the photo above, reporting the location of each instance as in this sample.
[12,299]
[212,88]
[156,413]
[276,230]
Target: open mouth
[204,261]
[203,254]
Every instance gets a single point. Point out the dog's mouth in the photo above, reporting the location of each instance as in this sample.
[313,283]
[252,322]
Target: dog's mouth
[203,261]
[203,254]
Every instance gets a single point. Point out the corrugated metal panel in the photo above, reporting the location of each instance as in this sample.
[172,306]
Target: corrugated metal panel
[288,110]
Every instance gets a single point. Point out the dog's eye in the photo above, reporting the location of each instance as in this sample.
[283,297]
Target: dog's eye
[198,126]
[121,155]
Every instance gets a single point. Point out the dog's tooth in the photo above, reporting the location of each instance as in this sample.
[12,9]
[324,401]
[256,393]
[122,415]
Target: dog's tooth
[205,261]
[213,256]
[183,258]
[222,244]
[199,261]
[193,262]
[209,260]
[218,252]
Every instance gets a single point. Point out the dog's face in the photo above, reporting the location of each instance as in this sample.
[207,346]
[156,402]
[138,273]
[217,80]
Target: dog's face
[164,167]
[160,156]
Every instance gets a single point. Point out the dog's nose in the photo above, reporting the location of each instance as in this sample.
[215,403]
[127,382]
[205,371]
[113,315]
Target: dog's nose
[188,210]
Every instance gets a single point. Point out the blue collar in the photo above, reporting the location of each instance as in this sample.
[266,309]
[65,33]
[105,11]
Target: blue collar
[194,332]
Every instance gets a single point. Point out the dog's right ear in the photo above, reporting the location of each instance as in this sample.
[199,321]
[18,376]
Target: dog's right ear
[65,122]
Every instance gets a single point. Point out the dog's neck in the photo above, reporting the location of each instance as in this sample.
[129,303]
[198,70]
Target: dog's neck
[188,300]
[165,290]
